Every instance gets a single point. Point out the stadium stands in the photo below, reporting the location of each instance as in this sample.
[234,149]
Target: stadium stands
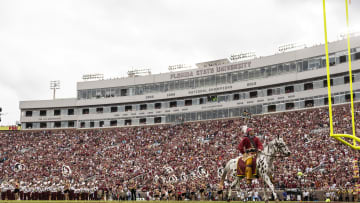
[103,159]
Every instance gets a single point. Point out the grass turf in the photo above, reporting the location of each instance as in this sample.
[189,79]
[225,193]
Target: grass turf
[94,201]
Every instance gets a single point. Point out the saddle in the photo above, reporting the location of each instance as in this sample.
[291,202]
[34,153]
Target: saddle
[241,165]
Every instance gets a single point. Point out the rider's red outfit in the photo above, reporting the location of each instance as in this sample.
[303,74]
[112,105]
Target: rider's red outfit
[249,146]
[246,145]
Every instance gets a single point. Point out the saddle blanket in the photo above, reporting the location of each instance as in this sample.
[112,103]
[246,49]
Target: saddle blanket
[241,166]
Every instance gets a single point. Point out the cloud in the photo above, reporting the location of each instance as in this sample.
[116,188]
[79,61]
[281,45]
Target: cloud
[44,40]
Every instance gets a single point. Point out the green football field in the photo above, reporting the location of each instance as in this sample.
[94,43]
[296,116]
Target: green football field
[79,201]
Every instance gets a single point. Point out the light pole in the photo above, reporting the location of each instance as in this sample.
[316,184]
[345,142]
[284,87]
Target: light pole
[54,85]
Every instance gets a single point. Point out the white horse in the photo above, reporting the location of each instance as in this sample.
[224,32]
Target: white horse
[264,164]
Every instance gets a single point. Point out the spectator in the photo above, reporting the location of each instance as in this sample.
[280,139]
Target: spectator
[102,159]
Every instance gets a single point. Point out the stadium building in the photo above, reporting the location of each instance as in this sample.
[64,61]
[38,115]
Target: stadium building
[216,89]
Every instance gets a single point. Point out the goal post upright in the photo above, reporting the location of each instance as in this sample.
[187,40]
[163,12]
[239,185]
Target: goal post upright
[340,137]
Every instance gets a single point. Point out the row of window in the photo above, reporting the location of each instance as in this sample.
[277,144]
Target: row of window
[220,79]
[57,112]
[311,103]
[208,99]
[204,115]
[89,124]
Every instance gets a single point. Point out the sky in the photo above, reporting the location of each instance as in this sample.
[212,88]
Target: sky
[44,40]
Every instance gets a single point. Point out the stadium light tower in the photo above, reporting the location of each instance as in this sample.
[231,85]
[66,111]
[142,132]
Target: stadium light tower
[54,85]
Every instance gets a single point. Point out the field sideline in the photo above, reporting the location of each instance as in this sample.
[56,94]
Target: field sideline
[94,201]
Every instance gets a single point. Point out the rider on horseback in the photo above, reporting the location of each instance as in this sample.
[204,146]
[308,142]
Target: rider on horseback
[249,146]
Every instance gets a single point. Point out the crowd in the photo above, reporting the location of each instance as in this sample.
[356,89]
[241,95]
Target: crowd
[172,161]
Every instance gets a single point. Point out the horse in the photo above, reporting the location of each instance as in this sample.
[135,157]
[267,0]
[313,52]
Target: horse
[264,164]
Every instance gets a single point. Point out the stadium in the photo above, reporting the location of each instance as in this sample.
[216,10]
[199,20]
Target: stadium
[173,136]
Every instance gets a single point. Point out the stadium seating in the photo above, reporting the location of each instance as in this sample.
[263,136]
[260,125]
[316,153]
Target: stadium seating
[102,159]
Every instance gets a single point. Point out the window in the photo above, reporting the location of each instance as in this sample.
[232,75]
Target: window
[269,92]
[113,123]
[245,75]
[57,112]
[143,106]
[172,85]
[251,74]
[234,77]
[277,91]
[223,98]
[257,73]
[101,124]
[289,89]
[88,95]
[280,68]
[262,72]
[314,63]
[173,104]
[70,112]
[186,84]
[82,125]
[299,65]
[223,79]
[99,110]
[71,124]
[332,60]
[348,98]
[157,120]
[325,83]
[123,92]
[92,124]
[201,101]
[128,108]
[323,62]
[157,105]
[117,92]
[292,67]
[128,122]
[188,102]
[305,65]
[268,72]
[98,93]
[236,96]
[308,86]
[253,94]
[357,56]
[272,108]
[28,125]
[43,125]
[326,100]
[113,109]
[286,67]
[28,113]
[289,106]
[347,79]
[85,111]
[142,121]
[191,83]
[161,88]
[342,59]
[42,112]
[274,70]
[309,103]
[57,124]
[212,98]
[181,84]
[112,92]
[107,92]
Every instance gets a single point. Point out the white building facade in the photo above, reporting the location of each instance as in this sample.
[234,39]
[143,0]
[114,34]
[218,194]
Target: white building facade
[215,89]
